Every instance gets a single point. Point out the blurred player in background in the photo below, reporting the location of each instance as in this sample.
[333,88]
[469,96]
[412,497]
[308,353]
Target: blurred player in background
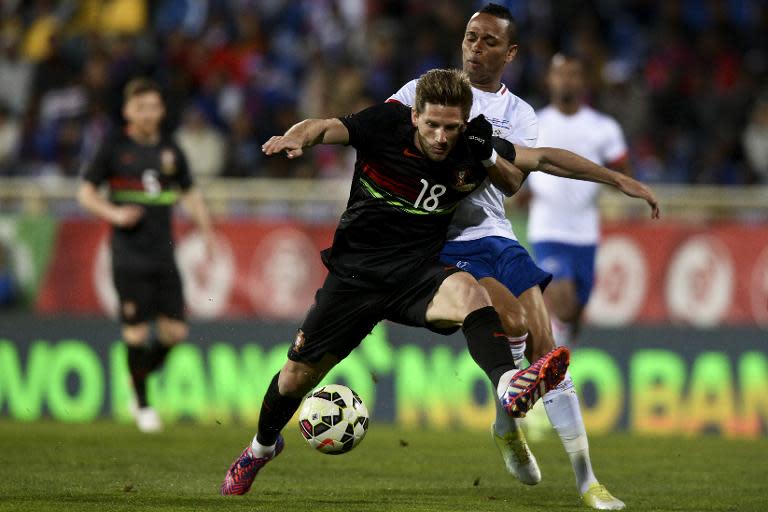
[481,241]
[563,220]
[144,168]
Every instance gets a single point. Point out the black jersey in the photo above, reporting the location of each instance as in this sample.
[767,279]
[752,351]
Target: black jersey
[401,202]
[145,175]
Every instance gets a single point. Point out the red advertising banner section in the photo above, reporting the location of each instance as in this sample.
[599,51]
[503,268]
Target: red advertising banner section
[704,276]
[268,270]
[647,272]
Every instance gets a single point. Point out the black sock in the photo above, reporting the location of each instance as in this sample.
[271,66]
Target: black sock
[276,412]
[156,354]
[137,366]
[487,343]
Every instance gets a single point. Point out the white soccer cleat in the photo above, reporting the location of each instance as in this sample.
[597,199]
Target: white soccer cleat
[517,456]
[598,498]
[148,420]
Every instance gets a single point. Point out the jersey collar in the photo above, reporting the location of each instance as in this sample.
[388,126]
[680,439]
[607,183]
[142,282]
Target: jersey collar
[501,92]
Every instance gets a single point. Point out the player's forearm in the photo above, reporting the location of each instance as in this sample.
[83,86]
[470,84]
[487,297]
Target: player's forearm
[560,162]
[195,204]
[505,176]
[92,201]
[310,132]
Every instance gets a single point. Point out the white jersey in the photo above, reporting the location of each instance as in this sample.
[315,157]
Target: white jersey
[565,210]
[482,214]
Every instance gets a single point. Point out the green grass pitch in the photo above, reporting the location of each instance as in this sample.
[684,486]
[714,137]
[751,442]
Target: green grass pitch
[106,466]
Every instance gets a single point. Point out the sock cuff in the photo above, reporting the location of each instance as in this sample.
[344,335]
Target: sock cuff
[480,316]
[517,340]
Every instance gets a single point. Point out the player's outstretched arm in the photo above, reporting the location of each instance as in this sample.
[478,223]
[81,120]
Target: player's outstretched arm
[306,134]
[564,163]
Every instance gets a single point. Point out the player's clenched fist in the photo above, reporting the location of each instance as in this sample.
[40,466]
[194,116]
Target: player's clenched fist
[479,135]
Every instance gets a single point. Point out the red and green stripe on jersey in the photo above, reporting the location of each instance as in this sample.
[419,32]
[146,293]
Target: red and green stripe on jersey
[132,190]
[397,193]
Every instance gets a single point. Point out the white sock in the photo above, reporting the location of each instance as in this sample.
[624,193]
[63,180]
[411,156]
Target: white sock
[562,405]
[259,450]
[517,347]
[504,423]
[562,332]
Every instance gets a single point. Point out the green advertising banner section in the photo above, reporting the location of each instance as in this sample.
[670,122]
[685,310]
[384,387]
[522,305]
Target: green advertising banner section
[647,380]
[26,245]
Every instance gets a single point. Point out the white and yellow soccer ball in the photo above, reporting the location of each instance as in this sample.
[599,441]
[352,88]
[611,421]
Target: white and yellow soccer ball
[333,419]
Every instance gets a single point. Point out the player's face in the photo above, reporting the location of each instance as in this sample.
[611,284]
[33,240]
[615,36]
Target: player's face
[437,129]
[486,49]
[566,81]
[145,111]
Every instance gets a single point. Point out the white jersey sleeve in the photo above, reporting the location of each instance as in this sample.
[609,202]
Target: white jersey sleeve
[614,146]
[406,95]
[565,210]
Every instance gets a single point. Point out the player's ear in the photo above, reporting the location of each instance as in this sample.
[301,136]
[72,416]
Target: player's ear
[511,53]
[463,127]
[414,117]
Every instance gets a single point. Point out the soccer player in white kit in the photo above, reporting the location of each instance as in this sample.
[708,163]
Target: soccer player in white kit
[482,242]
[563,220]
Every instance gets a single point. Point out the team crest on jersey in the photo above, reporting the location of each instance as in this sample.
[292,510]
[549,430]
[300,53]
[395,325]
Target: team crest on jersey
[168,161]
[463,180]
[298,343]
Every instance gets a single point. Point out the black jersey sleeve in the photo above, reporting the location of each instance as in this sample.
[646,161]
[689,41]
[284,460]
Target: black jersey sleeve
[505,149]
[373,127]
[98,169]
[183,176]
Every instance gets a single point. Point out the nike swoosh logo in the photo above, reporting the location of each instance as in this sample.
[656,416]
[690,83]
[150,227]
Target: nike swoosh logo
[409,153]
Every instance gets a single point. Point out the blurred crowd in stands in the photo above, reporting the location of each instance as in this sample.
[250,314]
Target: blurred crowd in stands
[687,79]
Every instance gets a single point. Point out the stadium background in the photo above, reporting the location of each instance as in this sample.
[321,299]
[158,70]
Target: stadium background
[676,341]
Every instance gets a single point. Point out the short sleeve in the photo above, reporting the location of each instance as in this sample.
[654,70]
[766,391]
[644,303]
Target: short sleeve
[406,95]
[614,147]
[372,127]
[99,168]
[527,129]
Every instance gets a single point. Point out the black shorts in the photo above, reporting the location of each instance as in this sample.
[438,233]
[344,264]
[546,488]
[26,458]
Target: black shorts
[343,314]
[145,295]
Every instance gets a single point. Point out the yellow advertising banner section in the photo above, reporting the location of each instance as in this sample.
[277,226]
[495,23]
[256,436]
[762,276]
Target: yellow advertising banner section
[654,380]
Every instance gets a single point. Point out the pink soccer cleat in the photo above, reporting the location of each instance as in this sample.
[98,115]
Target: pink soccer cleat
[528,385]
[242,472]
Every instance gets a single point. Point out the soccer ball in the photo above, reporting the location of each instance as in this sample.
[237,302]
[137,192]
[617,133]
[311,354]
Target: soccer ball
[333,419]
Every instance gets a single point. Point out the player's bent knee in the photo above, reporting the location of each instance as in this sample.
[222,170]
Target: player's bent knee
[135,335]
[467,291]
[457,297]
[515,322]
[171,332]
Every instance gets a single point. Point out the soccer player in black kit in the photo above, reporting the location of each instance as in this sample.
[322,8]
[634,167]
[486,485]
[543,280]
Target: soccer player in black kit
[146,173]
[412,169]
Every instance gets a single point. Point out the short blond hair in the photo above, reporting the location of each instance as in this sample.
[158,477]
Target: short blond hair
[448,87]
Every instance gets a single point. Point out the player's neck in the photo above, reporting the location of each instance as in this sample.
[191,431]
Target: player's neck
[568,108]
[141,136]
[491,86]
